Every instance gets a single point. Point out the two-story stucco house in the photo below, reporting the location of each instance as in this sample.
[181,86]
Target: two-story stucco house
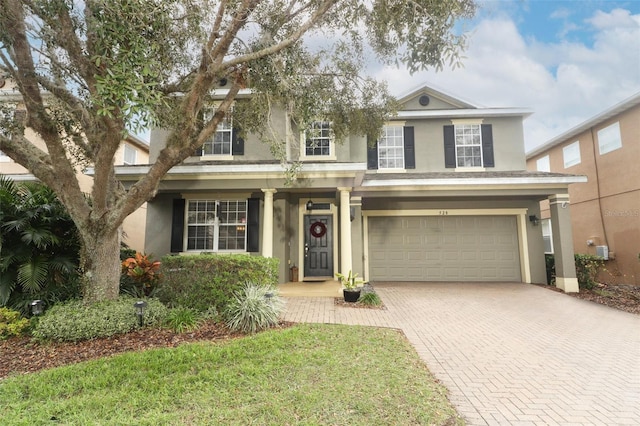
[606,210]
[442,195]
[133,150]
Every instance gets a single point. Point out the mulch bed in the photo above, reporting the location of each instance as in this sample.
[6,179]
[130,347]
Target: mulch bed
[25,355]
[620,296]
[340,302]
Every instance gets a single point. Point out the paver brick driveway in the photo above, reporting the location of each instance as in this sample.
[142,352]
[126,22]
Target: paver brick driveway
[510,353]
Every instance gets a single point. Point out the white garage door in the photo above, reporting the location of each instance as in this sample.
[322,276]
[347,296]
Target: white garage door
[444,248]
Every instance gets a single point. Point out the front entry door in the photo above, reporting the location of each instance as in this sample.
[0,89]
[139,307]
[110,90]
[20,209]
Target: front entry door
[318,246]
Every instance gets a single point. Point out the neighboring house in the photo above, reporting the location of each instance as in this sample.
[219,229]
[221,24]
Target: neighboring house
[443,195]
[605,211]
[132,151]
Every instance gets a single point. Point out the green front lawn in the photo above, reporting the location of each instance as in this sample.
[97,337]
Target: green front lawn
[306,374]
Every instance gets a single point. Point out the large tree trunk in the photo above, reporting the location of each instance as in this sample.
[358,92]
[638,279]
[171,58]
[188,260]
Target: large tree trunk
[100,265]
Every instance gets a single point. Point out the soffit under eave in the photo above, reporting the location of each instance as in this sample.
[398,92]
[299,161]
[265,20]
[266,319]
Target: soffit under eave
[301,185]
[243,176]
[537,191]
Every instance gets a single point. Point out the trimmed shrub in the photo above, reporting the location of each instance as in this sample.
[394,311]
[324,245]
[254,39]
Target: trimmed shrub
[74,321]
[254,308]
[12,323]
[587,269]
[209,280]
[550,263]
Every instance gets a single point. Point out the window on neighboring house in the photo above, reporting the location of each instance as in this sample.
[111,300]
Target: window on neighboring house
[468,145]
[543,165]
[130,154]
[571,154]
[391,148]
[217,225]
[318,140]
[609,138]
[4,158]
[547,236]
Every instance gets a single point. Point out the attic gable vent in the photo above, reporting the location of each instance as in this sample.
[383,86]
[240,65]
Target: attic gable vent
[424,100]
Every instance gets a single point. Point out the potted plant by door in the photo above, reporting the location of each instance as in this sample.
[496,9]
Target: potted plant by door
[350,289]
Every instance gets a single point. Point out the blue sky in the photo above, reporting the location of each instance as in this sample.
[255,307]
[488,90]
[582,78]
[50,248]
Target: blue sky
[567,60]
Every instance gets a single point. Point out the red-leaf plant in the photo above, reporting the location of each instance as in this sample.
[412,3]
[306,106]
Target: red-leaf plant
[143,271]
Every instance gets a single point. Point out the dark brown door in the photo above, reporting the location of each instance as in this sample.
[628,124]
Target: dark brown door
[318,246]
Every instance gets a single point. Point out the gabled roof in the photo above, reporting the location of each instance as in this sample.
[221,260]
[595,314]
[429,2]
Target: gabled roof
[592,122]
[437,93]
[459,108]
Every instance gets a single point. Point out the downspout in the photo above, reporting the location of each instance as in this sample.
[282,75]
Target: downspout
[595,163]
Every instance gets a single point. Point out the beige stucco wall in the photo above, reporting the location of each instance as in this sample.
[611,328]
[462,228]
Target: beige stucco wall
[606,209]
[134,224]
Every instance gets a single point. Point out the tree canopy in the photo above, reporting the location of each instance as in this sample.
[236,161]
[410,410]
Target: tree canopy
[90,71]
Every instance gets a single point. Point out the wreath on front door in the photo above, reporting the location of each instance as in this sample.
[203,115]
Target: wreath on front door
[318,229]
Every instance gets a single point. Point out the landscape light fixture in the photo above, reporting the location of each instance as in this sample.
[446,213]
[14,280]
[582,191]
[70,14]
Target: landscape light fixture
[36,307]
[534,220]
[140,305]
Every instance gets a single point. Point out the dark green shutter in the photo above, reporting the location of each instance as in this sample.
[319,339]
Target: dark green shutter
[487,146]
[177,226]
[409,148]
[237,143]
[449,147]
[253,225]
[372,156]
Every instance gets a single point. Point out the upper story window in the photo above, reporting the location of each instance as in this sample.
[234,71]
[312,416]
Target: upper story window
[571,154]
[391,148]
[394,149]
[468,144]
[217,225]
[543,164]
[220,142]
[318,140]
[130,154]
[609,138]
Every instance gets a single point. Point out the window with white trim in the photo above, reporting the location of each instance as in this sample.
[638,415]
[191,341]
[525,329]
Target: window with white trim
[217,225]
[130,154]
[391,148]
[468,145]
[571,154]
[609,138]
[318,140]
[547,235]
[220,142]
[543,164]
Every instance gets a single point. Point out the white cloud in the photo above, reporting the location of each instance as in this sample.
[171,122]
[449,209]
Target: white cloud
[565,83]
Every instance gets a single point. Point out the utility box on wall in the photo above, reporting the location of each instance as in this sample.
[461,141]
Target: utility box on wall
[603,251]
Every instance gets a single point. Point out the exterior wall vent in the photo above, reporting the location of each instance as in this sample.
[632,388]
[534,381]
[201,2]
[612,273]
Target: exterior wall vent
[603,251]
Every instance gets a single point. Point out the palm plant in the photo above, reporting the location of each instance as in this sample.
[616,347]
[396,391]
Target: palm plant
[38,244]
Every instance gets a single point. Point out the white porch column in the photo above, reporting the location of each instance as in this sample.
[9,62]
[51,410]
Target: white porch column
[346,263]
[267,223]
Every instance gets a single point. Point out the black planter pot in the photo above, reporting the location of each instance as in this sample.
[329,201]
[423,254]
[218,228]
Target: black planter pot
[351,295]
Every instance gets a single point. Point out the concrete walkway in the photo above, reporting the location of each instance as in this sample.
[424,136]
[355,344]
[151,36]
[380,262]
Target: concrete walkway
[510,353]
